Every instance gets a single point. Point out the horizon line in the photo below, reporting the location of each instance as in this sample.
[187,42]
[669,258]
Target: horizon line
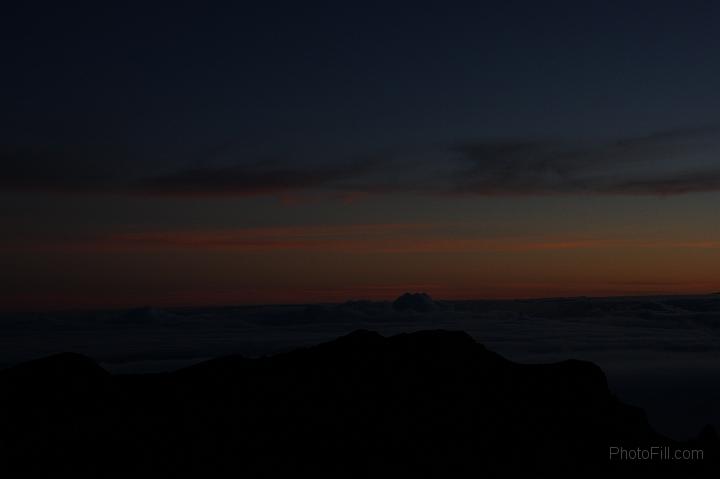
[90,309]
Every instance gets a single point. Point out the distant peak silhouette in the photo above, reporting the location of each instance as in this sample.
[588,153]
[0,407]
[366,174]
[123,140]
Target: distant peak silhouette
[418,302]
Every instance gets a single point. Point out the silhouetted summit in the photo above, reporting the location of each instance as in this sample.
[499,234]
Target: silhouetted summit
[419,302]
[426,404]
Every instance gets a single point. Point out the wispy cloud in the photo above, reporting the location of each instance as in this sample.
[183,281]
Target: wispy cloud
[250,180]
[664,163]
[358,238]
[61,169]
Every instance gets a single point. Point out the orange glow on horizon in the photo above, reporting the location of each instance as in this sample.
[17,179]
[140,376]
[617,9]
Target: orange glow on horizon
[315,264]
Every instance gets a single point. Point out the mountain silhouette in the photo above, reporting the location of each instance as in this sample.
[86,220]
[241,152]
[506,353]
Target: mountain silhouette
[418,302]
[424,404]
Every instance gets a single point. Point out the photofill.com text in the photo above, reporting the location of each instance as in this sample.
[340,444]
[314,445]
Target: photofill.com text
[655,453]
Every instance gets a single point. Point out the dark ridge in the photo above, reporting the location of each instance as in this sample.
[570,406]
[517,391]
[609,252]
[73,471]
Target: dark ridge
[58,367]
[425,404]
[358,338]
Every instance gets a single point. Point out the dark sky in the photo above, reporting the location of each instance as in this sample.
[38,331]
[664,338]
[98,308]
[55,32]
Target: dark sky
[199,132]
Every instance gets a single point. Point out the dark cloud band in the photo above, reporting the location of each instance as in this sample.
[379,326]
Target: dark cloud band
[665,163]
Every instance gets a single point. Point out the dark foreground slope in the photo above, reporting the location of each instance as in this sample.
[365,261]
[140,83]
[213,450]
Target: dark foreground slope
[427,404]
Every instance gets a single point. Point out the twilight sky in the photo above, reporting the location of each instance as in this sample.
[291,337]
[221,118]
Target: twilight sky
[320,151]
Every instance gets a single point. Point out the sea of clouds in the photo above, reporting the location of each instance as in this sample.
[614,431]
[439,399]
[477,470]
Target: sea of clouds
[659,353]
